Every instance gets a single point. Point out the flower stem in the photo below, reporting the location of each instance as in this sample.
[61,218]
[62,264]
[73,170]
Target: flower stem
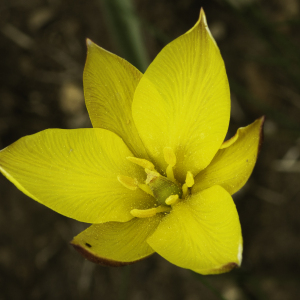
[125,29]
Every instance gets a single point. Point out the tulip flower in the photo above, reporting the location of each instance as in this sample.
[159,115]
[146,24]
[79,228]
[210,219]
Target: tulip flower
[154,173]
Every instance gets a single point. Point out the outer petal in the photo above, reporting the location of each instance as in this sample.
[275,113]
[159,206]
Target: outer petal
[183,101]
[109,84]
[117,244]
[233,165]
[74,172]
[202,233]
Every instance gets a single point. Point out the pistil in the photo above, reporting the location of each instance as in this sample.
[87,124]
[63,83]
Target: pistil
[162,187]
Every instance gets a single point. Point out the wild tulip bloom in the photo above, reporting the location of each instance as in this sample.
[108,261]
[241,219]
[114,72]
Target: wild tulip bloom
[154,174]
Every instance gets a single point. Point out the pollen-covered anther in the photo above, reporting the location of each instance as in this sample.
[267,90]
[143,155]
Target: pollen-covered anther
[128,182]
[170,159]
[189,182]
[171,200]
[189,179]
[146,164]
[147,213]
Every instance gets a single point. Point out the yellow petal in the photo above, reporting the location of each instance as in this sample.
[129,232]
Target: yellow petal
[233,164]
[202,233]
[75,173]
[117,244]
[109,84]
[183,102]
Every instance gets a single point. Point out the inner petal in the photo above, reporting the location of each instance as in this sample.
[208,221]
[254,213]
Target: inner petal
[183,102]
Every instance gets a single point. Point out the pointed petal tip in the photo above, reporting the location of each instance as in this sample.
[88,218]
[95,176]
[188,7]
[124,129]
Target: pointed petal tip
[202,21]
[86,253]
[261,119]
[89,42]
[202,17]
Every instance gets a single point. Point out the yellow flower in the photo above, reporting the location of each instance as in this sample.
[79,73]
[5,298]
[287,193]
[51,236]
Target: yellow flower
[153,175]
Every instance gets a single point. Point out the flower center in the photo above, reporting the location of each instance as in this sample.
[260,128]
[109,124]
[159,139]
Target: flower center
[162,187]
[166,190]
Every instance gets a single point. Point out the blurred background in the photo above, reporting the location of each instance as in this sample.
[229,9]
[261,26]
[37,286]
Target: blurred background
[42,55]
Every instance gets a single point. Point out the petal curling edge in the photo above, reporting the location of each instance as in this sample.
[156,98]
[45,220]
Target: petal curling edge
[234,162]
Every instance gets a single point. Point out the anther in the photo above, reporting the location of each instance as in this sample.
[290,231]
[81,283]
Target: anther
[141,162]
[128,182]
[189,182]
[189,179]
[173,199]
[170,159]
[143,213]
[147,213]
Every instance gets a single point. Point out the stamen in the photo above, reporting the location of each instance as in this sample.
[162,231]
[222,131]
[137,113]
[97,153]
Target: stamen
[184,190]
[170,173]
[141,162]
[162,208]
[189,182]
[147,213]
[146,189]
[170,159]
[173,199]
[189,179]
[128,182]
